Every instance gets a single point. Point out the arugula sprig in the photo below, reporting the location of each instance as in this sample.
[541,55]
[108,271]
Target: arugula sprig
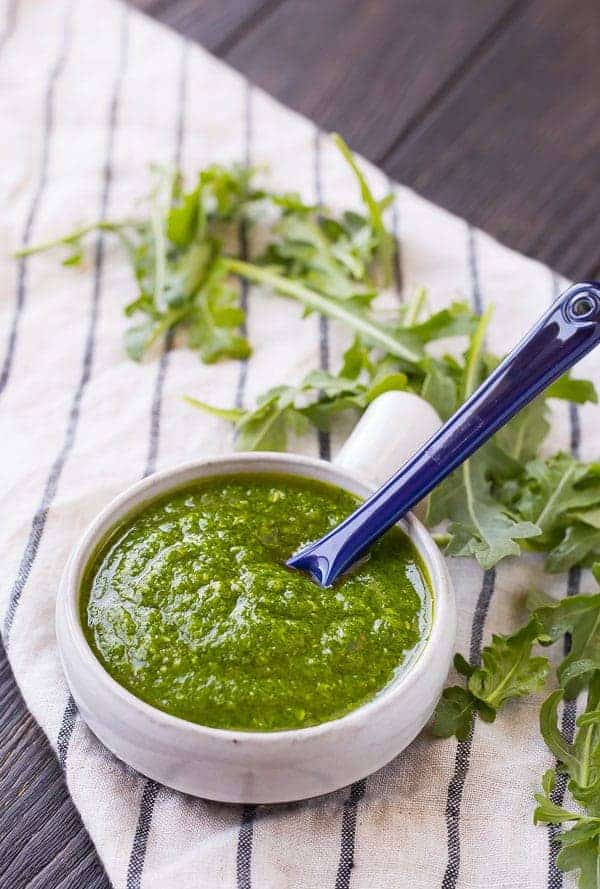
[367,371]
[510,670]
[316,400]
[561,495]
[184,246]
[580,760]
[175,249]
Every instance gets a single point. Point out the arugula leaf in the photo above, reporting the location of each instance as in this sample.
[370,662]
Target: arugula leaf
[321,256]
[73,240]
[440,390]
[479,525]
[568,754]
[455,320]
[266,428]
[548,812]
[232,414]
[579,616]
[555,487]
[579,546]
[454,714]
[569,389]
[508,669]
[589,517]
[215,318]
[561,496]
[581,758]
[584,857]
[176,252]
[522,436]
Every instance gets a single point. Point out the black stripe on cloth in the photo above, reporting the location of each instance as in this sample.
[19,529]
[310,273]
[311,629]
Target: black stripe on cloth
[142,831]
[151,789]
[348,835]
[156,410]
[244,848]
[569,715]
[163,363]
[246,831]
[357,791]
[243,242]
[65,732]
[56,70]
[70,712]
[463,748]
[39,520]
[10,23]
[473,271]
[323,437]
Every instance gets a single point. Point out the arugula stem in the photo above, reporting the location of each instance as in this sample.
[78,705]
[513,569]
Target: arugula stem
[474,359]
[170,320]
[415,307]
[75,235]
[323,304]
[157,215]
[471,381]
[585,759]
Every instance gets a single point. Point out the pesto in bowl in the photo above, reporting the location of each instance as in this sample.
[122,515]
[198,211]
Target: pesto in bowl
[188,605]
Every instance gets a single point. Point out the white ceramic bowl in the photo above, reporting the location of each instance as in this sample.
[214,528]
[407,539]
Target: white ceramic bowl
[265,767]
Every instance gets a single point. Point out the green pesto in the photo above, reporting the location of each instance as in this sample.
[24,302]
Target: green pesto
[188,604]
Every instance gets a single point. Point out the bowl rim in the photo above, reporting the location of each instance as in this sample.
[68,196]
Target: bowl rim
[153,486]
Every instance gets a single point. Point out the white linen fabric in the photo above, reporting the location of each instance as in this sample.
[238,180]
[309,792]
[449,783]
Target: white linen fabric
[92,92]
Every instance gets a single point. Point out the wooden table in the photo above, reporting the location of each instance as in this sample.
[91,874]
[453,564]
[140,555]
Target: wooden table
[488,107]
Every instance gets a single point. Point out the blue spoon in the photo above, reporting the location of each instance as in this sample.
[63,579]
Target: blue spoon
[564,334]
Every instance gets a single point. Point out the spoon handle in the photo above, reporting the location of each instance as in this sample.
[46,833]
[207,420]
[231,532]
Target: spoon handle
[564,334]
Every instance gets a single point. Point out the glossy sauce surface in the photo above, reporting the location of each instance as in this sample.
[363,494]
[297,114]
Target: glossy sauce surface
[189,605]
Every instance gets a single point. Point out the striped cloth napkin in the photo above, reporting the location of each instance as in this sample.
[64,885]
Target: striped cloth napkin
[92,93]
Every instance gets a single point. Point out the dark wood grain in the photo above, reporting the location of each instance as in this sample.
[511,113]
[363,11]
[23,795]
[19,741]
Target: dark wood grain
[364,68]
[216,24]
[515,145]
[490,109]
[43,844]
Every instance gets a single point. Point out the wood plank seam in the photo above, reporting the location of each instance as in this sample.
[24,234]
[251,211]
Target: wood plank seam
[473,58]
[245,26]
